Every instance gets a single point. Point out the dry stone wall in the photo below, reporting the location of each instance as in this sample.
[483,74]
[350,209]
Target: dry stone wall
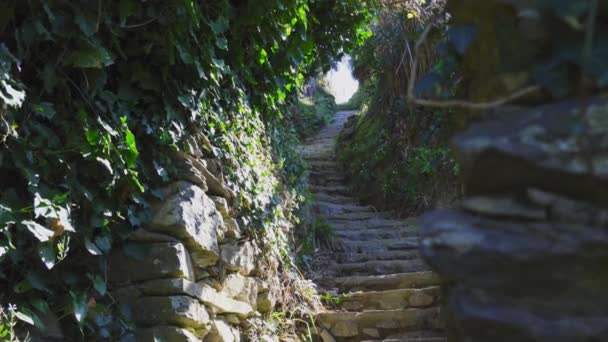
[524,257]
[191,273]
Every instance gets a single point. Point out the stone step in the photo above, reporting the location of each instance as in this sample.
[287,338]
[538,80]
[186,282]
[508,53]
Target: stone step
[333,198]
[381,267]
[383,233]
[326,182]
[327,174]
[316,164]
[357,326]
[387,282]
[374,223]
[335,189]
[390,299]
[389,255]
[377,245]
[327,208]
[354,216]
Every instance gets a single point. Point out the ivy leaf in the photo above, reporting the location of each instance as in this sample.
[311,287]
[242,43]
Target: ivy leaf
[86,26]
[263,58]
[91,247]
[96,58]
[47,254]
[100,285]
[462,36]
[222,43]
[79,306]
[45,110]
[103,243]
[40,304]
[219,26]
[92,136]
[40,232]
[25,316]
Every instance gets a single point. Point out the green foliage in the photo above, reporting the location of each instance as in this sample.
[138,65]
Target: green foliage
[503,46]
[308,114]
[332,299]
[8,322]
[319,232]
[94,98]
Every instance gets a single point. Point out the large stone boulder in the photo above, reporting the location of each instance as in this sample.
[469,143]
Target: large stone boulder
[239,257]
[190,215]
[167,334]
[217,302]
[523,258]
[179,311]
[136,262]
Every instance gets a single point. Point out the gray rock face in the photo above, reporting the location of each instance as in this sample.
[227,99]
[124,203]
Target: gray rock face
[167,334]
[239,257]
[222,332]
[560,148]
[180,311]
[145,261]
[524,258]
[190,215]
[204,293]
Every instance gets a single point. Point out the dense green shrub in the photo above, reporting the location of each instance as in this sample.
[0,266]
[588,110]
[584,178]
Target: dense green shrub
[308,114]
[94,95]
[397,156]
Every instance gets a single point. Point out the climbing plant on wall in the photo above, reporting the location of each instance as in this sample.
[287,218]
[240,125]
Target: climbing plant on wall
[94,94]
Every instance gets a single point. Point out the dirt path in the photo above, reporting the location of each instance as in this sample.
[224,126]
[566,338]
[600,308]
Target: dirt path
[385,291]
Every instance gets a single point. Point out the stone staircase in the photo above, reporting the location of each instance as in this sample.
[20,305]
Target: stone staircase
[383,289]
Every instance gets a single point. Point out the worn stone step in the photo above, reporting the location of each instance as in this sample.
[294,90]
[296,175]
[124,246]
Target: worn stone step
[380,267]
[316,164]
[326,174]
[333,198]
[390,299]
[418,335]
[328,208]
[374,223]
[384,233]
[354,216]
[389,255]
[357,326]
[377,245]
[387,282]
[334,189]
[326,182]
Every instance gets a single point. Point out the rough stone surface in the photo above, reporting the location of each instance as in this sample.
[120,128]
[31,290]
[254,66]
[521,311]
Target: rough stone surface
[523,259]
[326,336]
[189,214]
[241,288]
[221,205]
[209,296]
[181,311]
[345,329]
[266,302]
[167,334]
[380,288]
[239,257]
[143,261]
[559,148]
[222,332]
[233,230]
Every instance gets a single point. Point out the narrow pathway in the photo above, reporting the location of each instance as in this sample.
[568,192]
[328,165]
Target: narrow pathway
[385,292]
